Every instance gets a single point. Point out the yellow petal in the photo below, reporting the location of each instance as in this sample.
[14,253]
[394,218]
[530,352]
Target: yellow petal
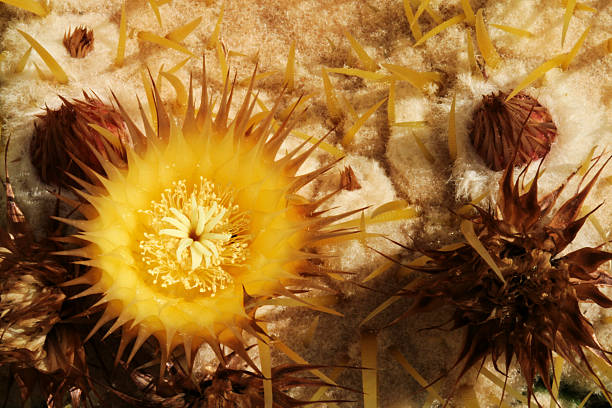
[55,68]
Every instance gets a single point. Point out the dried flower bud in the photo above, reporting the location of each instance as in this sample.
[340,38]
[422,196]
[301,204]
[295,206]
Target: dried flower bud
[64,137]
[79,42]
[501,127]
[348,180]
[523,302]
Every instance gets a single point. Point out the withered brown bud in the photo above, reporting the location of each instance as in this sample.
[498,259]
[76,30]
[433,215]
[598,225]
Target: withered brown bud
[64,137]
[348,180]
[79,42]
[530,306]
[501,127]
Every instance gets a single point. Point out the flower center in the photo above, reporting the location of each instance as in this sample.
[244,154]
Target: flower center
[197,236]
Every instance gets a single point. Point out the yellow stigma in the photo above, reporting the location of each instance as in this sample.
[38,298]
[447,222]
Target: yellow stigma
[196,236]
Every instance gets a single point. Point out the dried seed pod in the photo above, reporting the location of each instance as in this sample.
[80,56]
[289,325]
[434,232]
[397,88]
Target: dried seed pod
[64,137]
[79,42]
[501,127]
[524,302]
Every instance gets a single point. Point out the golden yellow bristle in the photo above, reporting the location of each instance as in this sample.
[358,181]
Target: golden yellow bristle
[391,104]
[369,373]
[470,51]
[155,8]
[290,69]
[178,66]
[570,5]
[439,28]
[415,28]
[350,134]
[183,31]
[177,84]
[122,37]
[537,73]
[56,69]
[369,75]
[452,131]
[431,389]
[33,6]
[423,149]
[485,45]
[330,95]
[23,61]
[363,56]
[574,51]
[513,30]
[164,42]
[214,37]
[470,18]
[467,229]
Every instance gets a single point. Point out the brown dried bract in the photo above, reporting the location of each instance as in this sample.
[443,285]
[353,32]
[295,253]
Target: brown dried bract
[348,180]
[64,142]
[501,127]
[535,311]
[79,42]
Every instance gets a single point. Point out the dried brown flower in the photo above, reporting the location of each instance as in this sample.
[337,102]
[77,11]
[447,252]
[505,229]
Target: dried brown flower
[348,180]
[64,140]
[535,310]
[40,350]
[501,127]
[79,42]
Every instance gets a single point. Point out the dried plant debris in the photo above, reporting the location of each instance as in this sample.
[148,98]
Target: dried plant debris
[501,127]
[82,131]
[41,350]
[79,42]
[228,386]
[348,180]
[523,302]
